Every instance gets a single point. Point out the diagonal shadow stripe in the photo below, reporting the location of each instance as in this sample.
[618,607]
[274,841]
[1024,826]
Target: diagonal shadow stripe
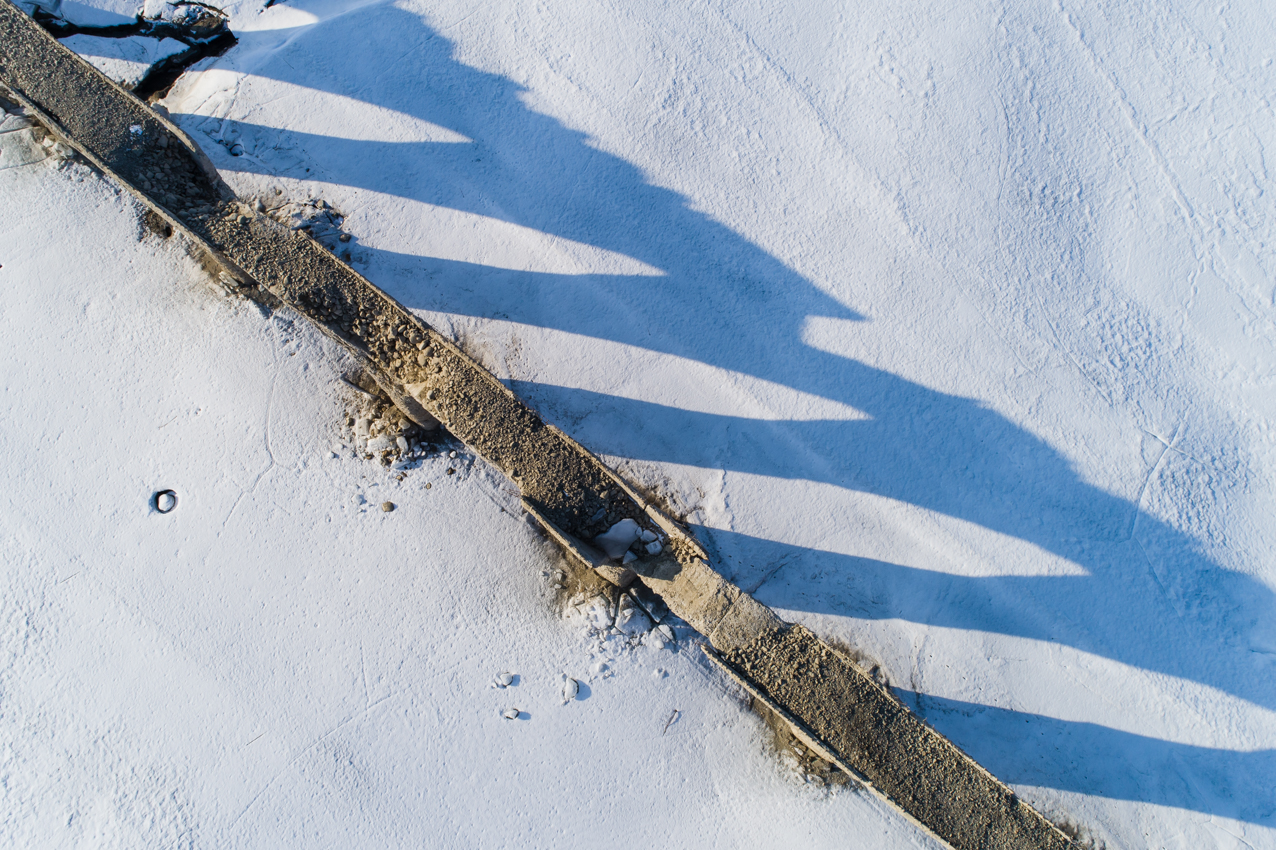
[1029,749]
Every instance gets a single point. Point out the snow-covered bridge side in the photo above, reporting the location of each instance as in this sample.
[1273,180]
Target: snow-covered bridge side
[571,492]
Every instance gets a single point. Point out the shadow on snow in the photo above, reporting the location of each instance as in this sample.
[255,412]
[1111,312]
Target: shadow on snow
[723,301]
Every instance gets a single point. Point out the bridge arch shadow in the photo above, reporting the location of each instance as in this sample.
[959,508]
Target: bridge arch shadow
[723,301]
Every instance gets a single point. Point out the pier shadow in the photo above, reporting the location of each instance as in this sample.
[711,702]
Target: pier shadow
[1029,749]
[1155,602]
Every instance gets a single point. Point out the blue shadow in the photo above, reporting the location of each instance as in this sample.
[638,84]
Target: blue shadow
[1028,749]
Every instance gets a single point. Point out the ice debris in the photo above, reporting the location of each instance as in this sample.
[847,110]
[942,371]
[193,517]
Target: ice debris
[597,612]
[630,619]
[617,539]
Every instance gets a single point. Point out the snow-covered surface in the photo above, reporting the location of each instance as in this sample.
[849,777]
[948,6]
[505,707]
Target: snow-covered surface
[950,327]
[103,13]
[277,662]
[125,60]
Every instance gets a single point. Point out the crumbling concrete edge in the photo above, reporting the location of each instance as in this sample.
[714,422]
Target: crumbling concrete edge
[830,703]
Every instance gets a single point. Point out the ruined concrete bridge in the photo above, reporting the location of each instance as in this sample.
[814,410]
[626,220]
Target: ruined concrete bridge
[834,707]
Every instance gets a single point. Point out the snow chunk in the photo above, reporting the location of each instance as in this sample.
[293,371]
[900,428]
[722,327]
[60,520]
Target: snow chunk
[20,146]
[615,540]
[597,612]
[630,619]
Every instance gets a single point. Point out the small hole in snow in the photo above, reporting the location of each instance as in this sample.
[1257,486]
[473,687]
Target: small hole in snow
[164,501]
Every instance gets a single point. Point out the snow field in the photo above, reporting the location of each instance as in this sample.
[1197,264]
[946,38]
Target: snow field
[949,326]
[277,661]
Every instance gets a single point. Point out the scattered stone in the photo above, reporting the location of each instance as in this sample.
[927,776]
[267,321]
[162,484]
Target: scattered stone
[387,506]
[451,471]
[380,443]
[570,689]
[510,714]
[165,501]
[503,680]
